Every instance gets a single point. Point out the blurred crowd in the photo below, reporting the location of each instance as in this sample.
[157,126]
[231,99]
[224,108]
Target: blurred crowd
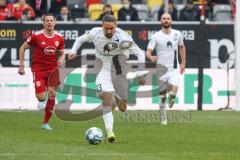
[124,10]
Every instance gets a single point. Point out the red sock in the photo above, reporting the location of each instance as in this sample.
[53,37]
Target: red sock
[49,109]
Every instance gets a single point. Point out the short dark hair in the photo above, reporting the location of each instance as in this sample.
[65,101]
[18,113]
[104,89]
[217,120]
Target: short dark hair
[189,1]
[107,6]
[46,15]
[109,18]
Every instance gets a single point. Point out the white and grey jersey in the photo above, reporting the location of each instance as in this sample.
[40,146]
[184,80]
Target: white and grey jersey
[166,46]
[107,48]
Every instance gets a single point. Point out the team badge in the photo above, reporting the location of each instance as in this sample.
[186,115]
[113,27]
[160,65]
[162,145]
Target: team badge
[38,83]
[56,43]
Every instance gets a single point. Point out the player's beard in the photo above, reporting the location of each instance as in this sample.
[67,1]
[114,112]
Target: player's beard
[166,26]
[108,35]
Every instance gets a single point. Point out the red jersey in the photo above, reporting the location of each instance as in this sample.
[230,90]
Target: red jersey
[6,11]
[44,54]
[18,11]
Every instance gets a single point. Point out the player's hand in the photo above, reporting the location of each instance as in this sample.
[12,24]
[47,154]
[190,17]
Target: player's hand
[71,56]
[182,68]
[21,70]
[141,80]
[153,59]
[60,62]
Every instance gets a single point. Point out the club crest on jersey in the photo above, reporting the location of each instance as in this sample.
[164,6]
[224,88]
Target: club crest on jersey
[38,83]
[50,50]
[56,43]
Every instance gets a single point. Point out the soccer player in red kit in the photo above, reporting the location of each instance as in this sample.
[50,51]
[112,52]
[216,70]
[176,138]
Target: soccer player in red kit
[46,43]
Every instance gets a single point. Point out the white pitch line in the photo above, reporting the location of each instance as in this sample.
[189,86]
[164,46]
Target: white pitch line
[114,154]
[45,154]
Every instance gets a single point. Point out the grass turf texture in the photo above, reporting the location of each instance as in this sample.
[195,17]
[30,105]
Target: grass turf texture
[204,135]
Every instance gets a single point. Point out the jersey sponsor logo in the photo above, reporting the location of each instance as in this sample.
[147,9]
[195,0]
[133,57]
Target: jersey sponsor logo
[8,34]
[50,50]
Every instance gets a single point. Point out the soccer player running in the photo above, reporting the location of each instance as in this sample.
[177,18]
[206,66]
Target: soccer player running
[167,41]
[111,43]
[47,44]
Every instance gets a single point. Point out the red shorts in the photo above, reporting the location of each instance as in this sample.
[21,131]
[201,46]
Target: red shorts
[42,80]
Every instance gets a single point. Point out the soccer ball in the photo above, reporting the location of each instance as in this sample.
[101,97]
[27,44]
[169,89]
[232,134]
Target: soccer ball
[94,135]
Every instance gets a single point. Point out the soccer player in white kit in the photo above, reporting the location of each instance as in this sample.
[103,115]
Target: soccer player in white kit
[167,42]
[110,44]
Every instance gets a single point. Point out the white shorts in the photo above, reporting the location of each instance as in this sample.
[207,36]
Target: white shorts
[171,76]
[116,84]
[104,82]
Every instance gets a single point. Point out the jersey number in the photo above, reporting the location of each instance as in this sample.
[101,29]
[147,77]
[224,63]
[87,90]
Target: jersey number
[99,87]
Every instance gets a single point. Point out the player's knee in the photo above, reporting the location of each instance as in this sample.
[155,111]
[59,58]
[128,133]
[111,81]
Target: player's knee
[51,93]
[172,94]
[41,99]
[162,97]
[163,93]
[107,103]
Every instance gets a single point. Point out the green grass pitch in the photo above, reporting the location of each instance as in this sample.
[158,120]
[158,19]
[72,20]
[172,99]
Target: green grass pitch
[197,135]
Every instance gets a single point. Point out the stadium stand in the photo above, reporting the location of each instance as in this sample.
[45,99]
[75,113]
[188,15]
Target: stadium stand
[94,11]
[76,8]
[179,7]
[222,12]
[112,1]
[89,2]
[72,2]
[152,3]
[77,11]
[154,13]
[137,2]
[143,12]
[56,6]
[115,9]
[198,2]
[179,1]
